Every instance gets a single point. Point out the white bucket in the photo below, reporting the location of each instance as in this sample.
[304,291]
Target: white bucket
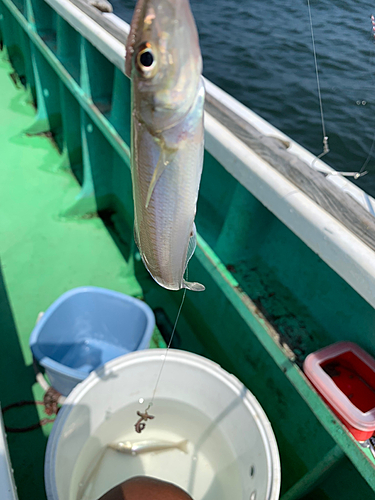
[232,452]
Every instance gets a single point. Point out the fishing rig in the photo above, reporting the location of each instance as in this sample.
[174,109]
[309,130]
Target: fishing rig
[361,172]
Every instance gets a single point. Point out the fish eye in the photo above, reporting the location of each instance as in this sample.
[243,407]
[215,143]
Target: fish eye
[145,61]
[146,58]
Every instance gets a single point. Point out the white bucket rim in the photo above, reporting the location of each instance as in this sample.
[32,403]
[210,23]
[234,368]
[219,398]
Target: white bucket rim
[205,364]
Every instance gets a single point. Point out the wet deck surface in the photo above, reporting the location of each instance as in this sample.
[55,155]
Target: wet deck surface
[41,256]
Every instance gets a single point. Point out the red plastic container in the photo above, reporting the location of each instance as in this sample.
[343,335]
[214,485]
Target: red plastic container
[344,375]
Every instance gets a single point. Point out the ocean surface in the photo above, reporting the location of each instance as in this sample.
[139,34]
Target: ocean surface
[260,52]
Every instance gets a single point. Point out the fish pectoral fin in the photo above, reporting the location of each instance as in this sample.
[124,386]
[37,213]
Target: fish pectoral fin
[166,156]
[192,245]
[192,285]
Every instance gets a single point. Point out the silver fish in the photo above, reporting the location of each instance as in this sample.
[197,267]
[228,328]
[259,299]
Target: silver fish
[164,62]
[147,446]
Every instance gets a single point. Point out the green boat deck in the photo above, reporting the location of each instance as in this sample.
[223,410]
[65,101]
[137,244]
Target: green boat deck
[262,311]
[39,261]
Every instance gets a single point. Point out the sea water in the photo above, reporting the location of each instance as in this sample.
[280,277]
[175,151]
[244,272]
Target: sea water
[207,471]
[261,53]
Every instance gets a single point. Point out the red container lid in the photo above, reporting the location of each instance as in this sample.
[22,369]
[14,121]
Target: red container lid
[344,374]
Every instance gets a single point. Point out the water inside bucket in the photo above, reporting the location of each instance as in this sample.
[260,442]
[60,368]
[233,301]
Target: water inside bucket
[88,354]
[208,471]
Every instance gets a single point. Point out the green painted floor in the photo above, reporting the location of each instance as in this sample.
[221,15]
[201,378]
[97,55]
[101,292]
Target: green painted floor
[41,257]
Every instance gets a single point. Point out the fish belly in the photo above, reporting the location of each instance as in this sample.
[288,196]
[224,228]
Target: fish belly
[164,222]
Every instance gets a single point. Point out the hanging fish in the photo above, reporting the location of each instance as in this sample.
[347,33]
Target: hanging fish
[163,60]
[136,448]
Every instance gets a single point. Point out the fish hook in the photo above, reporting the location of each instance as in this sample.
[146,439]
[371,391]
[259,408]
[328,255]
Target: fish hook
[140,425]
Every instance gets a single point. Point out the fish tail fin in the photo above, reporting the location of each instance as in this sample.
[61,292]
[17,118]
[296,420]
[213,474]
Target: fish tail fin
[183,445]
[193,286]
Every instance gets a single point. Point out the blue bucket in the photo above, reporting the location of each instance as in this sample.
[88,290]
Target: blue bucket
[85,328]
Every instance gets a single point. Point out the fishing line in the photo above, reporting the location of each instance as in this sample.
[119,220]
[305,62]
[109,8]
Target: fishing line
[144,416]
[168,347]
[325,137]
[361,172]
